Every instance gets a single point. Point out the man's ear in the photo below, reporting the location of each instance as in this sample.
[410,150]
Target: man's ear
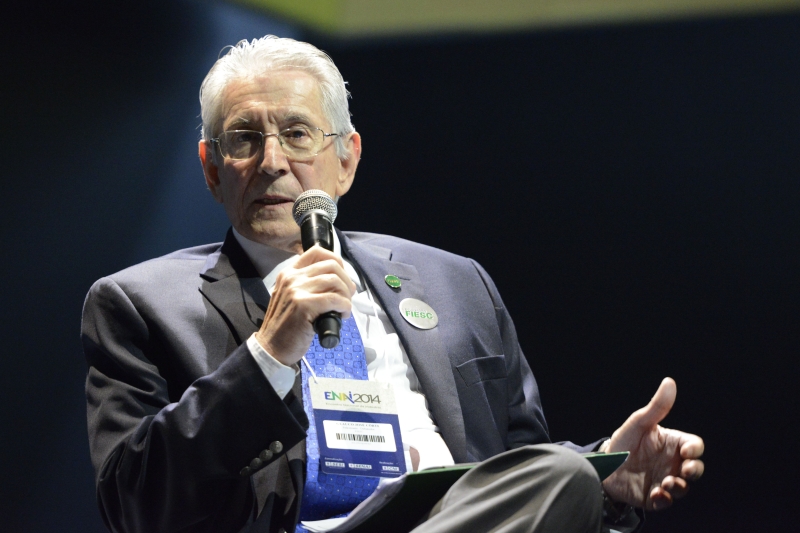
[347,167]
[206,152]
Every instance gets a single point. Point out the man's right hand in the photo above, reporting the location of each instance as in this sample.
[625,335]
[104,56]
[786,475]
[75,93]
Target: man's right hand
[315,284]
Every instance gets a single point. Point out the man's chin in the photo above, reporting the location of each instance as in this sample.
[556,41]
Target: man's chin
[276,234]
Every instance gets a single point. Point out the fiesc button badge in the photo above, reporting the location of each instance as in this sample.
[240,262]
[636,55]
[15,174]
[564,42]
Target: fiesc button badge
[418,313]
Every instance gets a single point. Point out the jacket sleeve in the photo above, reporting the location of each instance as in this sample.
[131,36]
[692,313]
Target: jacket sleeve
[164,466]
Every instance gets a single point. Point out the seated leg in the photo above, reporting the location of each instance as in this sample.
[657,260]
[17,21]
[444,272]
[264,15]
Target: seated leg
[541,488]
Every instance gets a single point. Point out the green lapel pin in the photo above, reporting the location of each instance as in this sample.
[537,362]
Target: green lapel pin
[392,281]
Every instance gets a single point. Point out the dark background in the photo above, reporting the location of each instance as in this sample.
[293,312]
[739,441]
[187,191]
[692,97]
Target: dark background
[633,190]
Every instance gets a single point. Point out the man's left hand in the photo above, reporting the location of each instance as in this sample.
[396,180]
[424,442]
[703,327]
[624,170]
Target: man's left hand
[661,460]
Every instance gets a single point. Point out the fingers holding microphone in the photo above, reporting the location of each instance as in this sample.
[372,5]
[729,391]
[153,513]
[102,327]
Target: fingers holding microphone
[313,294]
[314,285]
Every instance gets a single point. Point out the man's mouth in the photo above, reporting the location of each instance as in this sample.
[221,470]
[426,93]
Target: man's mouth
[274,200]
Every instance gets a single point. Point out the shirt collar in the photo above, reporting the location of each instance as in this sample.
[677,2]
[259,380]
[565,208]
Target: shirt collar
[270,261]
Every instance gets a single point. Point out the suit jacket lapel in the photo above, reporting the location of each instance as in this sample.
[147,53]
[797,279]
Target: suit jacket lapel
[234,288]
[424,347]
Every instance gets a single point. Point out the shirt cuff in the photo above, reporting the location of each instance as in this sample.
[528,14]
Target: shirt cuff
[280,376]
[433,452]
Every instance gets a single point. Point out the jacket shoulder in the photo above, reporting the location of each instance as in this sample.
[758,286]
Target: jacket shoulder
[435,262]
[191,258]
[175,267]
[401,248]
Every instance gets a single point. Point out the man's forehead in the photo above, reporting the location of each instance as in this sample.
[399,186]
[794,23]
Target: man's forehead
[282,94]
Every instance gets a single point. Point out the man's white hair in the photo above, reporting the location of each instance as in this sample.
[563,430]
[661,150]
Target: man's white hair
[248,60]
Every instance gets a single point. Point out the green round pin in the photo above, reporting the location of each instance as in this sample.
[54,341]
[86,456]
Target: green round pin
[392,281]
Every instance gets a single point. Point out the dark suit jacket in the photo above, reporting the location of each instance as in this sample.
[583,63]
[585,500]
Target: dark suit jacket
[177,407]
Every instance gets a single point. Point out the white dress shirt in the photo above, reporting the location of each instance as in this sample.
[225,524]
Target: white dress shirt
[387,361]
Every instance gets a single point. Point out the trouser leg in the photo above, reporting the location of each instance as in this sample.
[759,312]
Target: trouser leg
[535,489]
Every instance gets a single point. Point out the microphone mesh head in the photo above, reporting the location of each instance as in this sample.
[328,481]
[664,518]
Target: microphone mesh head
[313,200]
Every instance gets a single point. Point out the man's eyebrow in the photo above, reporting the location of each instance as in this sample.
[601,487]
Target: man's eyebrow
[296,118]
[240,121]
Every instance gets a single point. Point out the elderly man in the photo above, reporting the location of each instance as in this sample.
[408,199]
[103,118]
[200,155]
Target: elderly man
[199,407]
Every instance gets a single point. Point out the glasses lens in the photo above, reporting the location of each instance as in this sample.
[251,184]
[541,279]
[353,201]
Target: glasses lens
[301,141]
[240,144]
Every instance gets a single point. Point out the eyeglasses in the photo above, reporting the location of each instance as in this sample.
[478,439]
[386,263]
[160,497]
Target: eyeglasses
[298,142]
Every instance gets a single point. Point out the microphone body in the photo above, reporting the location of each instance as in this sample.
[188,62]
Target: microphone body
[316,228]
[314,211]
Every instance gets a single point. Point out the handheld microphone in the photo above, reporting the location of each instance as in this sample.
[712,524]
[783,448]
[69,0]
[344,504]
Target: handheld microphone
[314,211]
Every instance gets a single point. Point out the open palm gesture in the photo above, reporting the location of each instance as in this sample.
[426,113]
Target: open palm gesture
[661,460]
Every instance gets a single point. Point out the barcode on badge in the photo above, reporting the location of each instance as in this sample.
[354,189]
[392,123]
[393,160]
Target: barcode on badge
[367,436]
[360,438]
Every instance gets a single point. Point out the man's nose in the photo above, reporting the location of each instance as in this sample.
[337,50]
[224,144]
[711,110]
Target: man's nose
[273,159]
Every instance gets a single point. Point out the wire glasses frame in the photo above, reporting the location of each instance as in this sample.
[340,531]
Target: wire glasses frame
[297,142]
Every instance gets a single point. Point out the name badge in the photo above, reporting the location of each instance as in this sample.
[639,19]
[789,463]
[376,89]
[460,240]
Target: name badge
[357,427]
